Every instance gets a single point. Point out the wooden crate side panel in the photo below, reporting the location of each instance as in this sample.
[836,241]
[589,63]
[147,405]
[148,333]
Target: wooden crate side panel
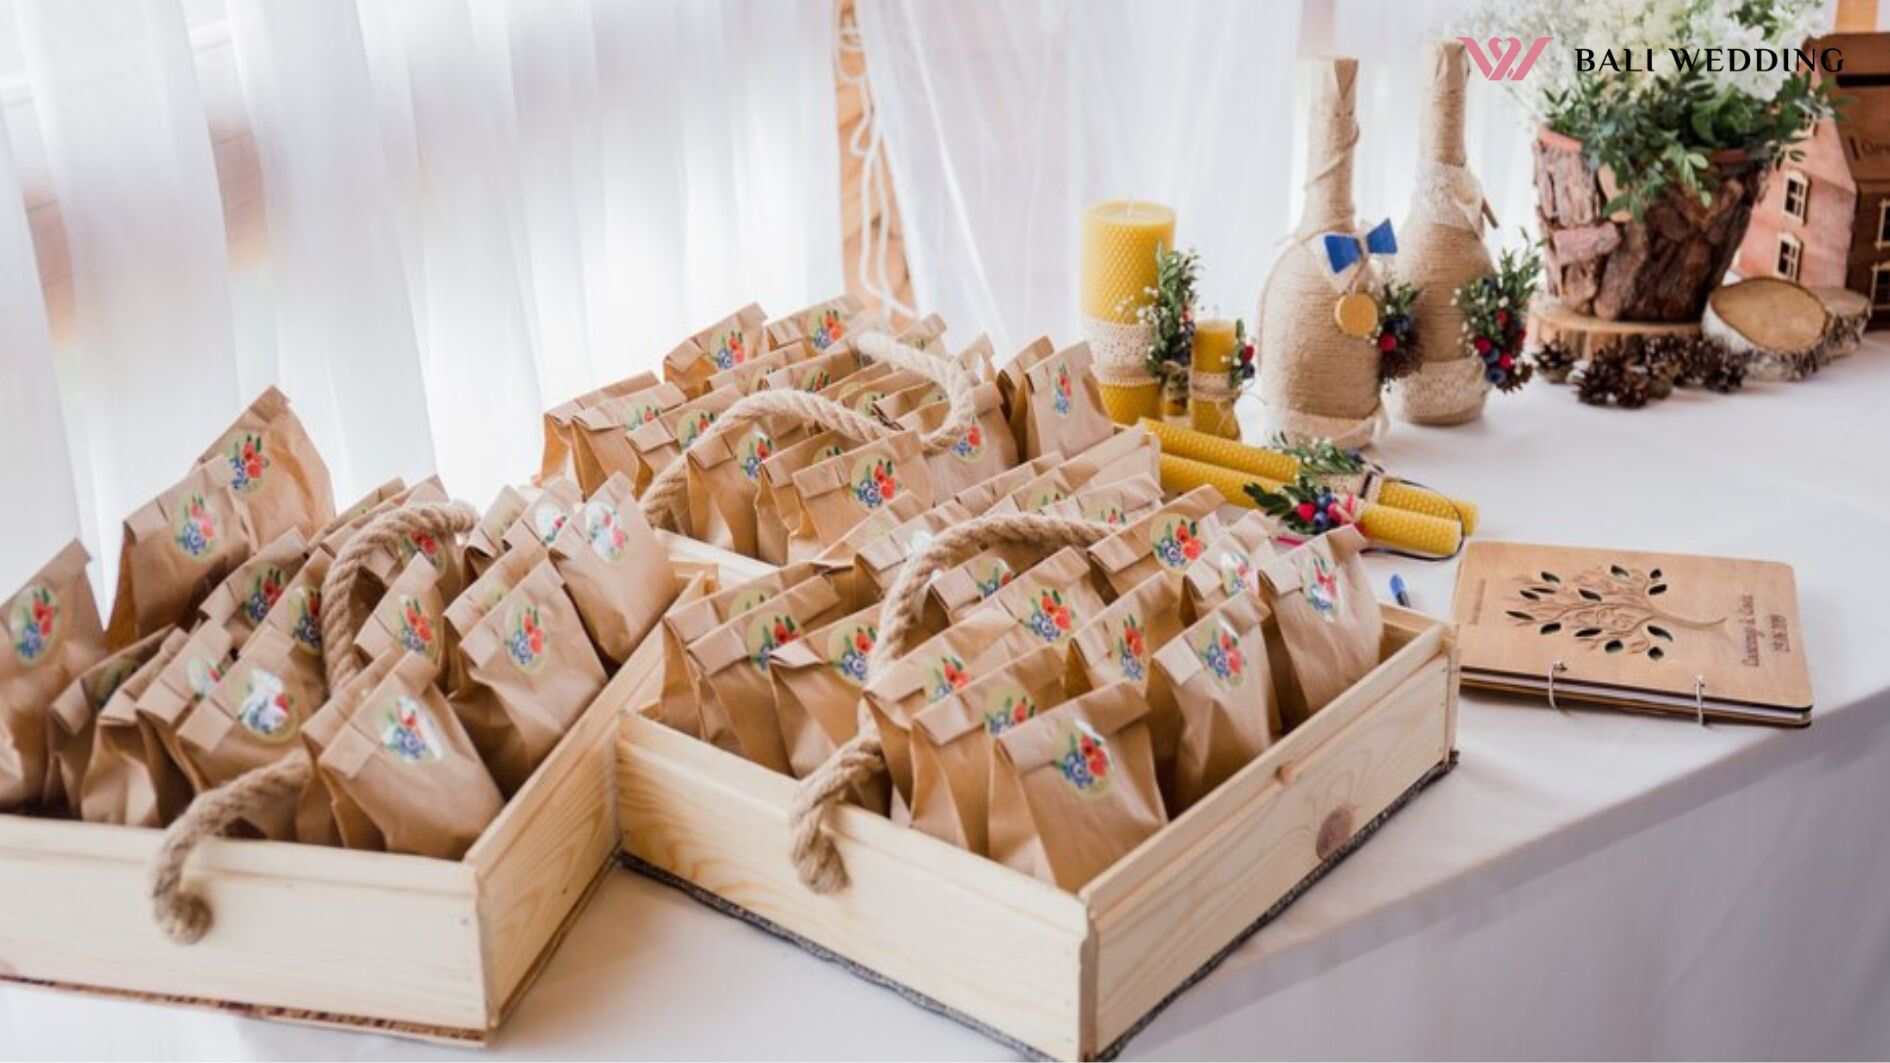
[300,927]
[980,949]
[1418,641]
[538,860]
[1154,939]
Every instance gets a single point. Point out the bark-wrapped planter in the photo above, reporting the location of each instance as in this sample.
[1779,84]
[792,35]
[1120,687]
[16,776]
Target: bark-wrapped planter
[1660,268]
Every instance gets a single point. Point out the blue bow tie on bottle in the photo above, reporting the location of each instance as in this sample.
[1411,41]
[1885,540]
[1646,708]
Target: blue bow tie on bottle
[1345,252]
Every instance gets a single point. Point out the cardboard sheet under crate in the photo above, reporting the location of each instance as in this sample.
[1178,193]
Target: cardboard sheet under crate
[1064,975]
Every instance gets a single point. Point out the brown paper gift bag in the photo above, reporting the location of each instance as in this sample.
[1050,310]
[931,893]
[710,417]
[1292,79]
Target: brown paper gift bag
[532,672]
[130,779]
[664,441]
[1119,646]
[325,806]
[392,488]
[723,345]
[187,678]
[176,549]
[733,660]
[1129,452]
[939,666]
[752,376]
[984,450]
[406,762]
[882,551]
[819,373]
[1167,540]
[410,616]
[840,492]
[53,635]
[483,596]
[1329,623]
[957,591]
[821,325]
[1217,673]
[978,358]
[1036,494]
[72,718]
[446,555]
[981,496]
[557,459]
[601,435]
[251,718]
[298,612]
[721,481]
[1054,598]
[546,514]
[952,743]
[1231,566]
[617,573]
[1065,410]
[675,705]
[486,541]
[778,509]
[702,607]
[859,390]
[1014,386]
[921,392]
[817,681]
[244,598]
[272,464]
[1073,790]
[1118,502]
[855,577]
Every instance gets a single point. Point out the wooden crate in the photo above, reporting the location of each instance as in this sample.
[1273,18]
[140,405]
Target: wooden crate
[409,945]
[1067,975]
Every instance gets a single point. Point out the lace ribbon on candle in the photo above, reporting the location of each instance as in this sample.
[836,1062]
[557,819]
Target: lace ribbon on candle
[1120,351]
[1448,194]
[1441,391]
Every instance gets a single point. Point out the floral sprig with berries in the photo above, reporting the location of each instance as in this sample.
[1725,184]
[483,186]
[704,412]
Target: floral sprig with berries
[1322,457]
[1494,307]
[1240,369]
[1169,314]
[1397,335]
[1306,506]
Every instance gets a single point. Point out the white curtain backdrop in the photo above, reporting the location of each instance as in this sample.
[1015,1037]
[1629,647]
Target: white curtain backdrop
[1003,120]
[469,210]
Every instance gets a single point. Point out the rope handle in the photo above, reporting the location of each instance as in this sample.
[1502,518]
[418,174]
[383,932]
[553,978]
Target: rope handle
[182,914]
[816,859]
[669,489]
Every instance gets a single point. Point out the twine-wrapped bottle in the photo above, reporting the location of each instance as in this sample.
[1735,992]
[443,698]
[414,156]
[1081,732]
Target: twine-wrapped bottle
[1440,249]
[1317,379]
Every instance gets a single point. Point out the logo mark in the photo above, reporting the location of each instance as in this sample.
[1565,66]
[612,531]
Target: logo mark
[1505,58]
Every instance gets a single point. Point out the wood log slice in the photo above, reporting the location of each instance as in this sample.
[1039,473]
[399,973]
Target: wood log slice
[1850,315]
[1661,267]
[1779,325]
[1583,334]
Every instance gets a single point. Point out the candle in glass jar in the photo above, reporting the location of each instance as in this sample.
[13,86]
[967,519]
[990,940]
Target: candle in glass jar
[1120,240]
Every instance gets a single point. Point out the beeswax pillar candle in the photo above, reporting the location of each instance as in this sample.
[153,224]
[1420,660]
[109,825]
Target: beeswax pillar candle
[1121,239]
[1440,249]
[1269,464]
[1382,524]
[1318,371]
[1211,392]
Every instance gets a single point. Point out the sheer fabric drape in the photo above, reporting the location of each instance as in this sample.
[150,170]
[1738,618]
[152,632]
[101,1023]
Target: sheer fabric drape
[469,209]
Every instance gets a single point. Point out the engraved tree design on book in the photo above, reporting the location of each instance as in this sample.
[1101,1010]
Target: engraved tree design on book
[1613,609]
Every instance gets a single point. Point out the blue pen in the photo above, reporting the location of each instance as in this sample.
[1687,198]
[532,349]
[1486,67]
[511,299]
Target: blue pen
[1398,592]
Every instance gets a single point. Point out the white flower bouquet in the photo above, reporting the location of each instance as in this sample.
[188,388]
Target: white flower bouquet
[1654,88]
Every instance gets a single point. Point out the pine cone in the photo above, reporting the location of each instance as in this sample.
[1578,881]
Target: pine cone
[1664,357]
[1596,379]
[1613,375]
[1707,363]
[1554,361]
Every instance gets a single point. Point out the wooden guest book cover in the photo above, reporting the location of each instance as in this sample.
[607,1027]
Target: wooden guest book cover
[1657,632]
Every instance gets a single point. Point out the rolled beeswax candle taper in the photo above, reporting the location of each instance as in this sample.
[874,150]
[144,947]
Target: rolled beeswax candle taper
[1282,468]
[1381,524]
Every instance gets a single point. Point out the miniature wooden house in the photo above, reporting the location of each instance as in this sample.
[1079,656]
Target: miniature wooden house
[1824,220]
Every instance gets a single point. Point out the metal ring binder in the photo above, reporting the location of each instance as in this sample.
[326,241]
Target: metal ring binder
[1554,668]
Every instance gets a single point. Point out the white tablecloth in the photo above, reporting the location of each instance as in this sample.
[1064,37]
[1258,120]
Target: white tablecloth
[1588,884]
